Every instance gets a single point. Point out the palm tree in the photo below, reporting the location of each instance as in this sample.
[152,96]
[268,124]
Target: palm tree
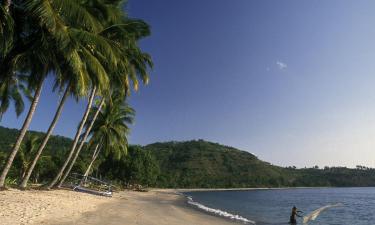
[87,132]
[31,56]
[85,41]
[26,152]
[48,43]
[110,129]
[131,62]
[6,29]
[100,53]
[95,154]
[20,137]
[137,68]
[66,35]
[27,175]
[73,46]
[79,130]
[12,89]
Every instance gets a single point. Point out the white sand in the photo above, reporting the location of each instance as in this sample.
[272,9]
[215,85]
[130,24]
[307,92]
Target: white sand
[39,207]
[157,207]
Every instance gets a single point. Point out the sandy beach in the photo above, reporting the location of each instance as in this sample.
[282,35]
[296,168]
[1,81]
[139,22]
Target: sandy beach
[40,207]
[159,207]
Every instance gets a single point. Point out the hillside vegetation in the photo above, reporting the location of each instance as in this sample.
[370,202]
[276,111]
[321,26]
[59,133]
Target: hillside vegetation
[205,164]
[190,164]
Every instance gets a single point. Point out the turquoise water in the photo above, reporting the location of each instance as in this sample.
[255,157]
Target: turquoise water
[356,205]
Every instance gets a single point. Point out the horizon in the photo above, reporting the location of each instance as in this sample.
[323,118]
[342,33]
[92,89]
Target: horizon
[290,82]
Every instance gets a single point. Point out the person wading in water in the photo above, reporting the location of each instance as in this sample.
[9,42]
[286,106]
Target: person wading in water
[293,219]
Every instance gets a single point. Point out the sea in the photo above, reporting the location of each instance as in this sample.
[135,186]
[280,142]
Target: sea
[319,206]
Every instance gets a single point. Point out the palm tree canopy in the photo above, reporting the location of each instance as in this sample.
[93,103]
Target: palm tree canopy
[88,43]
[28,149]
[111,127]
[6,31]
[13,89]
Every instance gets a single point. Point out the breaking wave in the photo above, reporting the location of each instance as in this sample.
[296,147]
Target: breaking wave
[218,212]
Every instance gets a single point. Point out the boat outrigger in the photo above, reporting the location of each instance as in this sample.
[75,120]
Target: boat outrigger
[90,185]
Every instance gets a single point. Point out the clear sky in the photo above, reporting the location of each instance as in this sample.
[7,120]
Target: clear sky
[292,82]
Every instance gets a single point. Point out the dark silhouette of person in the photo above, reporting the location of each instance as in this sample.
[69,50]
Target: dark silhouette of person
[293,216]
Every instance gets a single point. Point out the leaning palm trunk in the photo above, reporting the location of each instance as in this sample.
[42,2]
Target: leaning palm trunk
[24,129]
[26,178]
[7,4]
[94,156]
[82,143]
[78,133]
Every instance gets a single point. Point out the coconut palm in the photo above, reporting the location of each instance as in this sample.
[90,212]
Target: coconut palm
[12,89]
[20,137]
[6,29]
[99,51]
[35,62]
[71,152]
[79,39]
[27,174]
[50,44]
[132,62]
[110,129]
[68,35]
[26,152]
[120,81]
[28,45]
[137,68]
[87,132]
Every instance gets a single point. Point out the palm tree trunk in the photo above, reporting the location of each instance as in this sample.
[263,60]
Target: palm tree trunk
[94,156]
[78,133]
[82,143]
[23,173]
[20,137]
[46,138]
[6,4]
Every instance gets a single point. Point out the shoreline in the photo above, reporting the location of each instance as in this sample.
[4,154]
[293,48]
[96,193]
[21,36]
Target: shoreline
[241,189]
[156,207]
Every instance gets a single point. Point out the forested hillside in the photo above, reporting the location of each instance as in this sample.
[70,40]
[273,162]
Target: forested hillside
[189,164]
[205,164]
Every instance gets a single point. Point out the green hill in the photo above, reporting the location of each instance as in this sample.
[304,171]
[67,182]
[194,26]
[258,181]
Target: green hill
[211,165]
[8,137]
[206,164]
[189,164]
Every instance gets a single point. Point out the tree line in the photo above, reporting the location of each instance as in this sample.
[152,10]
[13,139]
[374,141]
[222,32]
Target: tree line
[190,164]
[91,50]
[136,167]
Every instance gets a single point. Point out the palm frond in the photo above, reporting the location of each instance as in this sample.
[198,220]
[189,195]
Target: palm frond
[97,44]
[76,15]
[6,31]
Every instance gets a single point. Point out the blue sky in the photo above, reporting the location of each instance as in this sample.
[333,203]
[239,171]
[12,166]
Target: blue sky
[290,81]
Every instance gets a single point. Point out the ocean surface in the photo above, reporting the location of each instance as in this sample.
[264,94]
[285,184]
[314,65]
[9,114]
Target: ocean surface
[323,206]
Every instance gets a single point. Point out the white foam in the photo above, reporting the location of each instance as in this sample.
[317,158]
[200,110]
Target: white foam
[313,215]
[218,211]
